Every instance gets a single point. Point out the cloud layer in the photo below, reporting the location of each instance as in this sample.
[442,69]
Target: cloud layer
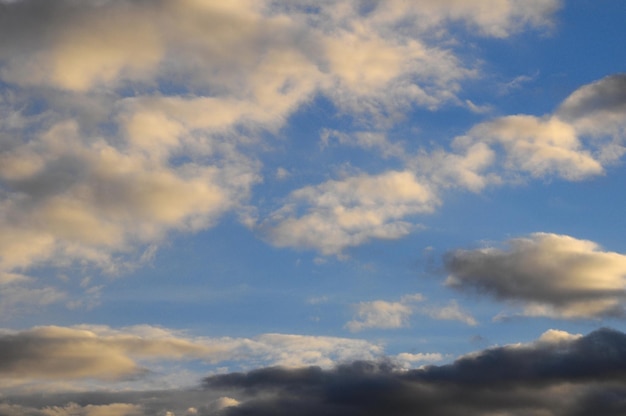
[558,374]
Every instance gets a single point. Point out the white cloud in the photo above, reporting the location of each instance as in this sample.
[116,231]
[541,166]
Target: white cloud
[74,190]
[223,403]
[380,314]
[539,146]
[451,312]
[304,350]
[87,201]
[498,18]
[340,214]
[556,336]
[467,166]
[389,315]
[409,360]
[549,274]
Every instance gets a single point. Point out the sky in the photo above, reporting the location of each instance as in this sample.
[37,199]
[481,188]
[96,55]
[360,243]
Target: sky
[314,207]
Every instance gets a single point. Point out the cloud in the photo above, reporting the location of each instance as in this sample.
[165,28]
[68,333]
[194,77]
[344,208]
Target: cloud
[539,146]
[558,374]
[380,314]
[297,49]
[561,376]
[149,113]
[74,200]
[73,409]
[24,297]
[65,353]
[44,356]
[548,274]
[466,167]
[597,108]
[339,214]
[388,315]
[300,350]
[450,312]
[583,135]
[498,18]
[408,360]
[344,213]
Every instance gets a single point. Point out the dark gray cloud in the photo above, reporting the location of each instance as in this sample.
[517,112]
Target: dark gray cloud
[607,95]
[599,356]
[549,274]
[557,375]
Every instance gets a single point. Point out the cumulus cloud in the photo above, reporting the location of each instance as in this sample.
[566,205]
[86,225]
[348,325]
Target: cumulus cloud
[548,274]
[388,315]
[539,146]
[338,214]
[467,166]
[74,200]
[597,108]
[578,140]
[450,312]
[279,50]
[148,110]
[344,213]
[380,314]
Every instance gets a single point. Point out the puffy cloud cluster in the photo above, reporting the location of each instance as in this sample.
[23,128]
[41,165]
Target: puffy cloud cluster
[348,212]
[112,138]
[548,274]
[388,315]
[583,135]
[579,140]
[146,113]
[539,146]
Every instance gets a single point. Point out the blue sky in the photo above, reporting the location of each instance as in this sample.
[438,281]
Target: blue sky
[190,189]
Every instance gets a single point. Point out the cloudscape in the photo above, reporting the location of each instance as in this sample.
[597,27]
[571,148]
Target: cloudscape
[314,207]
